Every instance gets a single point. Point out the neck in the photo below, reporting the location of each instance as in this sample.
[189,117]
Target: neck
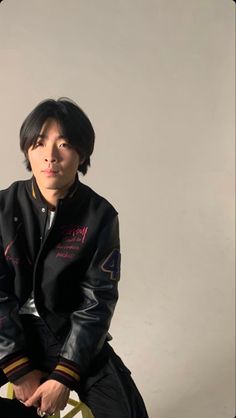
[51,197]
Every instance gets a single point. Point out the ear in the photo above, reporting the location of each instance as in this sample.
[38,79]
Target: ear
[27,155]
[81,159]
[27,163]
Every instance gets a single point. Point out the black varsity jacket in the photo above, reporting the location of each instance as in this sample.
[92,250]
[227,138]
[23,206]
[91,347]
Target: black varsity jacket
[73,270]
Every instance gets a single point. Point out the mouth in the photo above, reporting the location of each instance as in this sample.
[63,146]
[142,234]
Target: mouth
[49,172]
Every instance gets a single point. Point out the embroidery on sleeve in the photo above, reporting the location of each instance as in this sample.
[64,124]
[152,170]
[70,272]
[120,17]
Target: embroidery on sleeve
[112,264]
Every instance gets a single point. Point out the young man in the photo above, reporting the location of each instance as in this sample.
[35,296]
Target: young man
[59,271]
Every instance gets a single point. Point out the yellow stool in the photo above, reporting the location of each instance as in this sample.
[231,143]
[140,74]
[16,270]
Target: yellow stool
[77,406]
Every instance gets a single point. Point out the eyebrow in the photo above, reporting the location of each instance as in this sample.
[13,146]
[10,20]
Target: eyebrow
[42,136]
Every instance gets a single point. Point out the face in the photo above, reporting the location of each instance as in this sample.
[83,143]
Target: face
[53,160]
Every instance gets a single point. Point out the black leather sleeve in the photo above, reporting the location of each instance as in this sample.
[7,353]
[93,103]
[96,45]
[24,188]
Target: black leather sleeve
[13,359]
[99,289]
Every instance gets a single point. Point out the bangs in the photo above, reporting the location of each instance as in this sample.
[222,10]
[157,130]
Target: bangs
[38,130]
[33,125]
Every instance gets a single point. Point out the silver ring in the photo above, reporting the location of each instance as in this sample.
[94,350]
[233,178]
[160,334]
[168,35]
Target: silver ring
[41,414]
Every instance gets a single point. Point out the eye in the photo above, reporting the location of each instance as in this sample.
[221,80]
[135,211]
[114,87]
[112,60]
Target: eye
[64,145]
[39,143]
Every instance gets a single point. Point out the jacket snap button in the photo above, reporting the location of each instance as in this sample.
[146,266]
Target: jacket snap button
[43,210]
[15,219]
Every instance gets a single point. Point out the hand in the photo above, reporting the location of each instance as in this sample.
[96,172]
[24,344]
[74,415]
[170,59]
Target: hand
[27,385]
[50,397]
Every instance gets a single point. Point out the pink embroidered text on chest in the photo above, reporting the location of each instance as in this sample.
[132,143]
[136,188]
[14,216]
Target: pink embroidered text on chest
[71,239]
[74,233]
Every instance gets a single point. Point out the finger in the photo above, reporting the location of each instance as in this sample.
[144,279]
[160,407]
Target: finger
[40,413]
[34,400]
[47,406]
[21,399]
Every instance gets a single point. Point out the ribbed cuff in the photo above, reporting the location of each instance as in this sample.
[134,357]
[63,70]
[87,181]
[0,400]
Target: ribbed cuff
[66,372]
[16,366]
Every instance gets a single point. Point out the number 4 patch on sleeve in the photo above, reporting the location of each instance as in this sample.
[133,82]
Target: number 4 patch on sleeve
[112,264]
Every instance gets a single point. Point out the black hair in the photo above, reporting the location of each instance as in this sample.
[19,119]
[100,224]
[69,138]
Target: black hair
[73,122]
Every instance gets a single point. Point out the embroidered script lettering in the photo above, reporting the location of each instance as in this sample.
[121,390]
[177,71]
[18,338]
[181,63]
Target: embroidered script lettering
[72,237]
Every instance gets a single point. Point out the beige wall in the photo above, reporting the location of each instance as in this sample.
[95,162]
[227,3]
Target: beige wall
[157,79]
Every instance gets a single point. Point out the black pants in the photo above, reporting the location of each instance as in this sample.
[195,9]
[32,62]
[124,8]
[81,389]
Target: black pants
[108,389]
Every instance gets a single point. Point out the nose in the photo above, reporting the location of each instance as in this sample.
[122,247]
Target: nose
[50,155]
[50,159]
